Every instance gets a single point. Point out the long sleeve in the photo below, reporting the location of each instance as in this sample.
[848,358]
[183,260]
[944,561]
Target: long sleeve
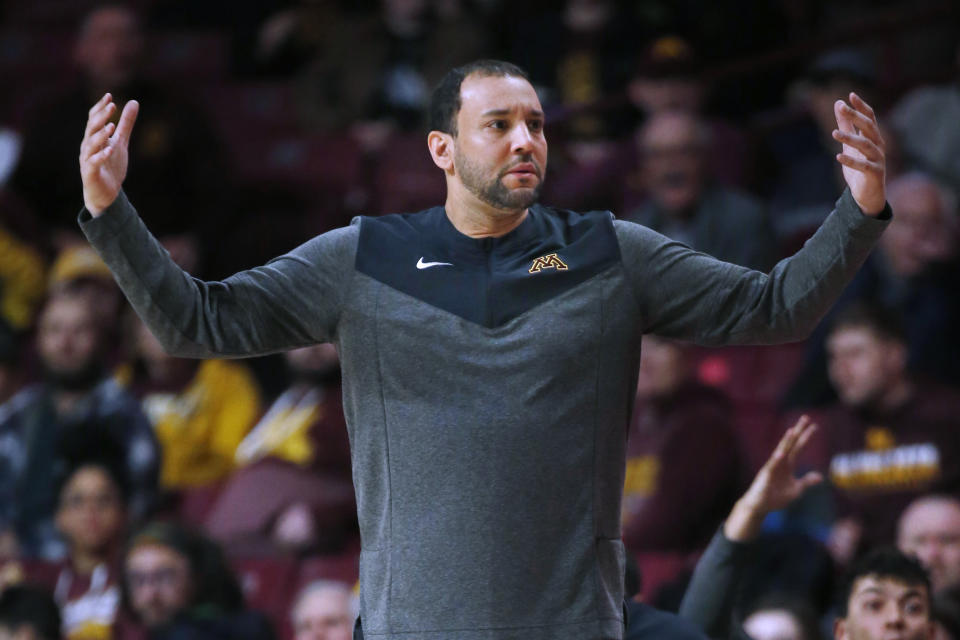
[712,591]
[293,300]
[689,295]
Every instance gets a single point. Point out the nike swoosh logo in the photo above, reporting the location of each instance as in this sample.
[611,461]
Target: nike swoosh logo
[426,265]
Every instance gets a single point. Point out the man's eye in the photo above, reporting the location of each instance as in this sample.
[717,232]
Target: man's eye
[873,605]
[499,124]
[915,608]
[536,126]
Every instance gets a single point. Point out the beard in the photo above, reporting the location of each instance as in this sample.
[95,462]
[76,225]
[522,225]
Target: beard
[81,378]
[493,191]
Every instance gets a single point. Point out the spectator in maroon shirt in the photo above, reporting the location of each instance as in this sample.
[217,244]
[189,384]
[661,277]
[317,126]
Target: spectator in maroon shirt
[678,425]
[889,439]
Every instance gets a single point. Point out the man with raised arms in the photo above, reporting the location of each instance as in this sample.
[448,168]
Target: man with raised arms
[489,349]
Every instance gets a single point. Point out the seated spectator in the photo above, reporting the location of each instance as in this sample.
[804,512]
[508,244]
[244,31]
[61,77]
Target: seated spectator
[293,489]
[74,398]
[79,271]
[914,271]
[28,613]
[200,410]
[808,177]
[324,610]
[176,145]
[678,425]
[929,529]
[888,440]
[886,595]
[925,119]
[91,517]
[684,204]
[669,77]
[178,585]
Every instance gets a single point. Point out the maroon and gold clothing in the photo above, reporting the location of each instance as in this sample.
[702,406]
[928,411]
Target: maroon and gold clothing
[879,461]
[683,467]
[89,604]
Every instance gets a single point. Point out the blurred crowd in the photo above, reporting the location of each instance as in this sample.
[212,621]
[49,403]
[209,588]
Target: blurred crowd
[146,496]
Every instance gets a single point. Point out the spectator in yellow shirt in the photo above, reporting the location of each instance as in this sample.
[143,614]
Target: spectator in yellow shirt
[200,410]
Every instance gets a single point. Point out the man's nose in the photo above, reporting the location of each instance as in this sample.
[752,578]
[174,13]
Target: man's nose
[521,140]
[894,618]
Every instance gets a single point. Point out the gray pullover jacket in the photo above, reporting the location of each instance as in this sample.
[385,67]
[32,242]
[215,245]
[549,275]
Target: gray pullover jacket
[488,385]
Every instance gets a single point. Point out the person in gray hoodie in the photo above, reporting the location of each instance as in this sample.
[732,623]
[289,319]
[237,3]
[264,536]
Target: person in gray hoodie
[489,351]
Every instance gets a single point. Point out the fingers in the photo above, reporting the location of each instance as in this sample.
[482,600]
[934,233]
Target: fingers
[805,434]
[793,440]
[860,164]
[93,162]
[96,141]
[99,114]
[858,129]
[127,118]
[861,118]
[100,103]
[810,479]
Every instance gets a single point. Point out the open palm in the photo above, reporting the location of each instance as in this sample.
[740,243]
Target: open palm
[104,153]
[863,155]
[775,485]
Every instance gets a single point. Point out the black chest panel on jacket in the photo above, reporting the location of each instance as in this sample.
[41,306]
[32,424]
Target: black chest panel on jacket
[488,281]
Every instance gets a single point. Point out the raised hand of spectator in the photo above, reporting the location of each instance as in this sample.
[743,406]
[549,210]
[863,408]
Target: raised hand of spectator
[864,153]
[775,485]
[103,153]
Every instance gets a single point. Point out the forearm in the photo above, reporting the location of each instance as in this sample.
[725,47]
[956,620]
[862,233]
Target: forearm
[688,295]
[289,302]
[711,594]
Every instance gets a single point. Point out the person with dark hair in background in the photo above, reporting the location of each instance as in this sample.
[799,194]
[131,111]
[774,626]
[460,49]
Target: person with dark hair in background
[179,146]
[886,595]
[178,585]
[91,517]
[28,613]
[489,350]
[76,399]
[889,439]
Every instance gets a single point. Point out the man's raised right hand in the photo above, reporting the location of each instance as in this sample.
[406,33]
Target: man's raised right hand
[103,153]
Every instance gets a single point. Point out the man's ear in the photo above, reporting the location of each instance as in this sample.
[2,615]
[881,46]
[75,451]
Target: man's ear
[441,149]
[839,629]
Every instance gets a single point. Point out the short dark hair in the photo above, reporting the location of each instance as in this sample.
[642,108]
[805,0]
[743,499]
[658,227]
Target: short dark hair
[214,582]
[31,606]
[884,562]
[89,444]
[445,99]
[884,322]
